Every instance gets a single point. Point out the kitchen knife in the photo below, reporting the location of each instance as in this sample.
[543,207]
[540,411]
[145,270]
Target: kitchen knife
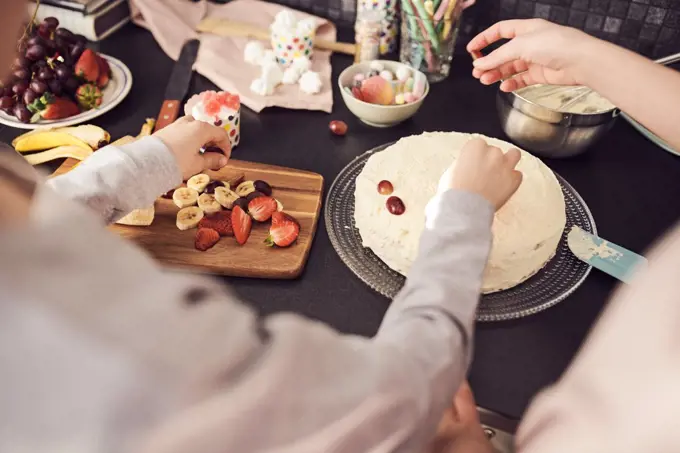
[610,258]
[178,85]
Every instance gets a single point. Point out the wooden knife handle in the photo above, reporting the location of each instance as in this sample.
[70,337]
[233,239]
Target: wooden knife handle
[168,115]
[340,47]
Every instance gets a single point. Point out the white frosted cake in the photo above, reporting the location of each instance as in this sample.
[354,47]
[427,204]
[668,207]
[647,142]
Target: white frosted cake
[526,231]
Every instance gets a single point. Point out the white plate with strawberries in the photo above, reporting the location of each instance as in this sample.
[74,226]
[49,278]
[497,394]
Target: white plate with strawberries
[95,96]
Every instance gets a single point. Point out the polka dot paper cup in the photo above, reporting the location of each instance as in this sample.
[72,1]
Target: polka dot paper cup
[289,45]
[222,109]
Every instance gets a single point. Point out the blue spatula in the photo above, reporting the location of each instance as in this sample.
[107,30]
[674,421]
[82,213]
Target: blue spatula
[610,258]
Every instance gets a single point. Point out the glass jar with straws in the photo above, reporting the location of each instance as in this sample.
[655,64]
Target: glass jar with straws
[429,29]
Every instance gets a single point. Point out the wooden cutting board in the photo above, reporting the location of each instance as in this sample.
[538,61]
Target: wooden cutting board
[299,191]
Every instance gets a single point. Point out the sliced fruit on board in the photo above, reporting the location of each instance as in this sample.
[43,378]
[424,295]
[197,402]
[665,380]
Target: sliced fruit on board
[59,152]
[139,217]
[262,208]
[208,204]
[184,197]
[242,224]
[47,140]
[284,230]
[94,136]
[220,222]
[188,218]
[206,238]
[198,182]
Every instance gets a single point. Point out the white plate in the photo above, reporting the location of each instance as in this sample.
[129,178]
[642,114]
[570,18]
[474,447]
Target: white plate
[118,88]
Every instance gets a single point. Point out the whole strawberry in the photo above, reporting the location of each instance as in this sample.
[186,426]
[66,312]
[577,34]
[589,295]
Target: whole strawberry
[284,230]
[87,66]
[89,96]
[50,107]
[104,71]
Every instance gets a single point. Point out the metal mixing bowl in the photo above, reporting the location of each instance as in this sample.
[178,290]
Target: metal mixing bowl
[549,133]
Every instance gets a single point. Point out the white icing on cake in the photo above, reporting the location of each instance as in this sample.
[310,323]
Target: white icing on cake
[526,231]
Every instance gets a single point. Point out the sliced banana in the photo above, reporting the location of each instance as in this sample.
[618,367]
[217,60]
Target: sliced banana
[198,182]
[245,188]
[208,203]
[226,184]
[184,197]
[188,218]
[279,205]
[226,197]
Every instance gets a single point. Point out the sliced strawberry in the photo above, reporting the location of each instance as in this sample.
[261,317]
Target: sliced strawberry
[261,208]
[206,238]
[220,222]
[284,230]
[242,224]
[87,66]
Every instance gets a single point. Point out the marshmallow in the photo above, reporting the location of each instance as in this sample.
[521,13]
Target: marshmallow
[403,73]
[387,75]
[419,85]
[272,74]
[306,26]
[302,64]
[410,97]
[310,82]
[291,75]
[376,66]
[253,52]
[399,99]
[259,86]
[358,77]
[268,57]
[285,20]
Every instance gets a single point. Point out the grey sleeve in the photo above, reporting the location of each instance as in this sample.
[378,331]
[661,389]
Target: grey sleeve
[317,390]
[118,179]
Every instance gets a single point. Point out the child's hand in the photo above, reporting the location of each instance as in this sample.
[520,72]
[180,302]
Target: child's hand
[460,430]
[538,52]
[185,137]
[486,171]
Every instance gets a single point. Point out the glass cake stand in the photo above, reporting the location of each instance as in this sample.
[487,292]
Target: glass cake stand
[551,285]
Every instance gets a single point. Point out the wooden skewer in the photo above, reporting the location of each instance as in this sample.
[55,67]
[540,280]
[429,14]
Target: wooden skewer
[226,27]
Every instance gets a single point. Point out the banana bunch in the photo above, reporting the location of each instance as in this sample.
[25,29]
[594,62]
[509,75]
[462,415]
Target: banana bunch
[76,142]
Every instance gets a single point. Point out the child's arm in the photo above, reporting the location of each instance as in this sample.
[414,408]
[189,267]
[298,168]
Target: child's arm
[542,52]
[118,179]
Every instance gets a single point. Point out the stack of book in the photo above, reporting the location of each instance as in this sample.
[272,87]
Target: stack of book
[94,19]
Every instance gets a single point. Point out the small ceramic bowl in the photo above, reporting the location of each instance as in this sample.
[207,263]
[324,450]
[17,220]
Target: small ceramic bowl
[374,114]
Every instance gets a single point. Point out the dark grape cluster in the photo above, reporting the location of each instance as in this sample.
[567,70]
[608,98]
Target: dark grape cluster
[45,64]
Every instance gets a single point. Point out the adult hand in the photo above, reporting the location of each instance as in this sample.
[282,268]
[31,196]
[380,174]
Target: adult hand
[486,171]
[538,52]
[186,136]
[460,430]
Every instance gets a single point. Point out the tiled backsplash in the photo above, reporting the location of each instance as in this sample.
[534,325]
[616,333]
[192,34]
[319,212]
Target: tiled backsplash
[651,27]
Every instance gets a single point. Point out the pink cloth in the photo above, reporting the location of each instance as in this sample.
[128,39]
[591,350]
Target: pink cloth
[220,59]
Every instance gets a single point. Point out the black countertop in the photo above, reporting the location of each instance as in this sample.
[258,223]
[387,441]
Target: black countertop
[631,186]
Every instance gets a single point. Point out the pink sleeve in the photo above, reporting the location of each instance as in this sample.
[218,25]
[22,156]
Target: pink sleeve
[622,392]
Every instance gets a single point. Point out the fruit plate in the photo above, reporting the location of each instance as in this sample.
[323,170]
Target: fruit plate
[114,93]
[551,285]
[299,191]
